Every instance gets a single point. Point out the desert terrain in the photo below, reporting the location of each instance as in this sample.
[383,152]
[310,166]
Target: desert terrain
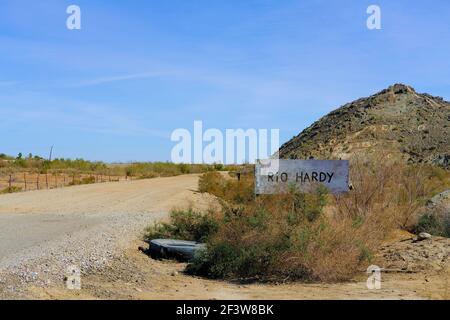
[98,228]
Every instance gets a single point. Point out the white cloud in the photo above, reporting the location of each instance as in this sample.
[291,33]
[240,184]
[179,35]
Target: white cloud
[103,80]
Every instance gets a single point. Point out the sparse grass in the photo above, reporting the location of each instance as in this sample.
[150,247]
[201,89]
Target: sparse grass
[11,190]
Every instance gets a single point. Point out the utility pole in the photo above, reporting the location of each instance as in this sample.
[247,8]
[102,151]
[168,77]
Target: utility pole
[51,152]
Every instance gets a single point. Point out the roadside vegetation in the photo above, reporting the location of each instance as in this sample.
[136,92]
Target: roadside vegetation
[137,169]
[307,237]
[187,224]
[10,190]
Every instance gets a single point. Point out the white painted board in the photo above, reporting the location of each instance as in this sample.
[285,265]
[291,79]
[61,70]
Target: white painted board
[274,176]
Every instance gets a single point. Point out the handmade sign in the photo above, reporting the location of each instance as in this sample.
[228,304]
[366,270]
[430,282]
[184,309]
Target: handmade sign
[278,176]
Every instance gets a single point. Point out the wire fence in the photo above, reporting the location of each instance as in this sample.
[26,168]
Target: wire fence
[28,181]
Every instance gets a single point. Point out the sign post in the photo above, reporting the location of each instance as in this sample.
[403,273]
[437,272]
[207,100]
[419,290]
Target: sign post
[274,176]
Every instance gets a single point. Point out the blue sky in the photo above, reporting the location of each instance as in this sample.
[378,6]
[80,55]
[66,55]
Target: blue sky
[138,70]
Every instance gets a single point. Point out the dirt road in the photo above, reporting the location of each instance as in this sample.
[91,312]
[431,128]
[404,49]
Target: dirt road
[42,233]
[97,229]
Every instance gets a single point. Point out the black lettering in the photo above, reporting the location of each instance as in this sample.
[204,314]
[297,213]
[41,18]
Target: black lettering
[330,176]
[314,176]
[284,177]
[270,177]
[307,178]
[323,177]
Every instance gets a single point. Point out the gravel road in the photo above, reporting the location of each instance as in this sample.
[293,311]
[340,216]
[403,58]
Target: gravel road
[42,233]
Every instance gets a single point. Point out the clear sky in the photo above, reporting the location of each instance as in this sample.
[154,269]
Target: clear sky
[140,69]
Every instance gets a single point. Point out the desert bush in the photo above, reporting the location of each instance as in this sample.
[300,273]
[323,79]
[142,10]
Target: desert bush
[228,189]
[289,236]
[388,191]
[211,182]
[83,180]
[435,221]
[185,225]
[283,237]
[278,237]
[12,189]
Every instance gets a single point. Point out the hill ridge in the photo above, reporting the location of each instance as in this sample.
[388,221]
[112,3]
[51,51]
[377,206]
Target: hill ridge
[409,125]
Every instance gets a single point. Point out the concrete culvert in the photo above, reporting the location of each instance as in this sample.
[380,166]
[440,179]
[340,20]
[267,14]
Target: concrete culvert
[180,250]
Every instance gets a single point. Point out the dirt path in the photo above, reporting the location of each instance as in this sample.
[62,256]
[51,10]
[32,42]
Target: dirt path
[42,233]
[97,227]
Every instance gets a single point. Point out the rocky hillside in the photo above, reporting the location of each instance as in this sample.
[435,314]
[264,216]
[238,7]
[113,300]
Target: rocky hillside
[398,120]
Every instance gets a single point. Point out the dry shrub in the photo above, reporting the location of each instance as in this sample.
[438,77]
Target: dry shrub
[82,180]
[386,193]
[232,190]
[290,237]
[279,237]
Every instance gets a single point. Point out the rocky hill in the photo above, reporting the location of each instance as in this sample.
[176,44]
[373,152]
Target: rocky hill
[397,120]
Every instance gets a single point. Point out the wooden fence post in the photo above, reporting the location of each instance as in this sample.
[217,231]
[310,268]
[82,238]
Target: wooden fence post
[46,179]
[37,181]
[10,181]
[25,180]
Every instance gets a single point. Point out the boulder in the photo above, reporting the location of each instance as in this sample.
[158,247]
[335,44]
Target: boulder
[442,199]
[422,236]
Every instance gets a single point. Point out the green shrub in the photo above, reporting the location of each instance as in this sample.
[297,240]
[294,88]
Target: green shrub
[11,190]
[436,223]
[223,260]
[184,225]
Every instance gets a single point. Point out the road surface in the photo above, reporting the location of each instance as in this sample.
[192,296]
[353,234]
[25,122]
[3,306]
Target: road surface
[44,232]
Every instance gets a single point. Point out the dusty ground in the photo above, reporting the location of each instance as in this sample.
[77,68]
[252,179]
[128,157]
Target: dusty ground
[98,226]
[138,277]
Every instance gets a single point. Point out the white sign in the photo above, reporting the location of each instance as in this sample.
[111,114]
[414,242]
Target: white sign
[277,176]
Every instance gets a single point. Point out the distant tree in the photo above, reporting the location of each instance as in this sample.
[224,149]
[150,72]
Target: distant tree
[19,156]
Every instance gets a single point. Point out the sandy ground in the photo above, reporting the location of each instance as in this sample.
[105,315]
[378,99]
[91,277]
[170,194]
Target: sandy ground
[98,228]
[140,278]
